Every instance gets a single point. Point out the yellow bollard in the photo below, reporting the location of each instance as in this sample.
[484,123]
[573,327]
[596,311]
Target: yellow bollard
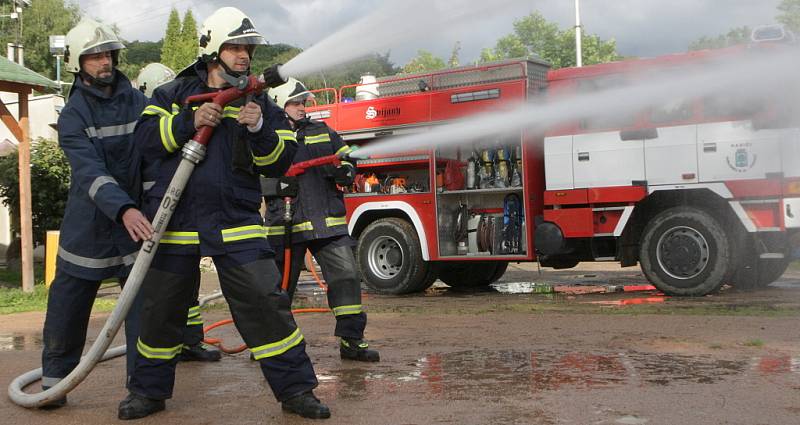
[50,253]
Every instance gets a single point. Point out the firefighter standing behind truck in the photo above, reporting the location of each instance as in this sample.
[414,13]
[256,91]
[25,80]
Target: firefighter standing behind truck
[218,216]
[101,223]
[319,223]
[150,77]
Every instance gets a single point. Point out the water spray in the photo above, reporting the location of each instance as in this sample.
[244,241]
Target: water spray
[751,76]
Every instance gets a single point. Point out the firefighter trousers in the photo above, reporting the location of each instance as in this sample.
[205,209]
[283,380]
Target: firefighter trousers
[340,271]
[69,304]
[261,312]
[193,334]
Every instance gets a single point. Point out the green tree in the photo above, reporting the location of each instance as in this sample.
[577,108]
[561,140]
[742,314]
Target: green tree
[40,20]
[189,40]
[50,177]
[453,61]
[535,36]
[790,14]
[735,36]
[423,62]
[171,48]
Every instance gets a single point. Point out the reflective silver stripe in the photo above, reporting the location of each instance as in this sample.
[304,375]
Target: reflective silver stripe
[95,263]
[148,185]
[98,182]
[112,130]
[50,382]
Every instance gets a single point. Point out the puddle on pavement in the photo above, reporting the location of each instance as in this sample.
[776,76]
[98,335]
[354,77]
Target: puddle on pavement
[495,374]
[20,342]
[522,288]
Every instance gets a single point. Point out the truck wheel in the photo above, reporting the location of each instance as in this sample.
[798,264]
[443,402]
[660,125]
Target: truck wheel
[502,266]
[685,251]
[470,274]
[390,257]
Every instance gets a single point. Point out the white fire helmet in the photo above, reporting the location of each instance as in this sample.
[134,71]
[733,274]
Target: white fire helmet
[226,25]
[152,76]
[290,90]
[89,37]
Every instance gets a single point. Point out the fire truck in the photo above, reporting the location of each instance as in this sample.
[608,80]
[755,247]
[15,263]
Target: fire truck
[700,193]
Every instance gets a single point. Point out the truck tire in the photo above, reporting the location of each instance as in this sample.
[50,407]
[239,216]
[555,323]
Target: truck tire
[471,274]
[390,258]
[686,251]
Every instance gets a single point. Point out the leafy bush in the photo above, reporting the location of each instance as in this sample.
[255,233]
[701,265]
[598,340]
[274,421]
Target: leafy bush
[50,177]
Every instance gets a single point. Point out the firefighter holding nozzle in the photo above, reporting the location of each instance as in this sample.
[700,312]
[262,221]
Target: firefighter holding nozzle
[319,223]
[218,216]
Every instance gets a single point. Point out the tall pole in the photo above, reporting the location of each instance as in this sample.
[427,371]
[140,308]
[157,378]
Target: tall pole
[58,72]
[578,48]
[26,227]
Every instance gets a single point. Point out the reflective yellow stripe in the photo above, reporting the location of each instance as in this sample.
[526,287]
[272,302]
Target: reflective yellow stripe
[155,110]
[335,221]
[244,232]
[302,227]
[275,230]
[347,163]
[347,309]
[194,312]
[192,322]
[299,227]
[286,135]
[277,348]
[343,149]
[176,109]
[273,157]
[181,238]
[231,112]
[167,139]
[157,353]
[322,138]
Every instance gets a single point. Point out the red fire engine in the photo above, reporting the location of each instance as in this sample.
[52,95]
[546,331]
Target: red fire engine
[700,194]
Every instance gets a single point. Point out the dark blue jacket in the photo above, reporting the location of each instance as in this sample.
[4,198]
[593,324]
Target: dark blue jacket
[218,212]
[319,210]
[96,133]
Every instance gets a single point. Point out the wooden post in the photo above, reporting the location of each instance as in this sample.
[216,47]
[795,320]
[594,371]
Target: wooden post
[25,213]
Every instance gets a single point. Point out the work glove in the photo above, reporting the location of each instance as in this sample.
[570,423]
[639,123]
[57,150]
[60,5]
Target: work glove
[344,175]
[272,76]
[280,187]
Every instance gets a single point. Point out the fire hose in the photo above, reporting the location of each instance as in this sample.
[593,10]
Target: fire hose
[192,153]
[294,171]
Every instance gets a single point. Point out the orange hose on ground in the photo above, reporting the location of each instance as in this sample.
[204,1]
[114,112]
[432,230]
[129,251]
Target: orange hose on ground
[218,342]
[287,264]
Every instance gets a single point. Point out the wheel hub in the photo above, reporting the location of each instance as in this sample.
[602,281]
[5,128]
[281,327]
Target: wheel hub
[682,252]
[385,257]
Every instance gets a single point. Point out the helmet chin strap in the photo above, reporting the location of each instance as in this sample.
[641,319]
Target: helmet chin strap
[234,78]
[100,83]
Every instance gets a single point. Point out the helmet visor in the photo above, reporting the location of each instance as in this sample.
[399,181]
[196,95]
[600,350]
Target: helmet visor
[104,47]
[247,39]
[301,98]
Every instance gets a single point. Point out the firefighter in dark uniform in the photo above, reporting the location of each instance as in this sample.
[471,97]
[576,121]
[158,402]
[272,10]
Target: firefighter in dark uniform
[150,77]
[319,223]
[101,225]
[217,216]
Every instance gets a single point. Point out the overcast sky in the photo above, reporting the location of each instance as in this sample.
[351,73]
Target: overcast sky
[641,27]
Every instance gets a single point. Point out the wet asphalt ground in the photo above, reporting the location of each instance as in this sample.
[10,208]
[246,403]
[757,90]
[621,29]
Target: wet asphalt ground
[509,355]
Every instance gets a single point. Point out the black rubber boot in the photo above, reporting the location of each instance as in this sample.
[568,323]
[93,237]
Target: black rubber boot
[199,353]
[55,404]
[358,350]
[307,406]
[135,406]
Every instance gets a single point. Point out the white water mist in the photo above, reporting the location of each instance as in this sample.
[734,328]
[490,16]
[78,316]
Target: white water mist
[394,24]
[748,77]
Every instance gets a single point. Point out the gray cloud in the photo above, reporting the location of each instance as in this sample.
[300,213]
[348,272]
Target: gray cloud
[640,27]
